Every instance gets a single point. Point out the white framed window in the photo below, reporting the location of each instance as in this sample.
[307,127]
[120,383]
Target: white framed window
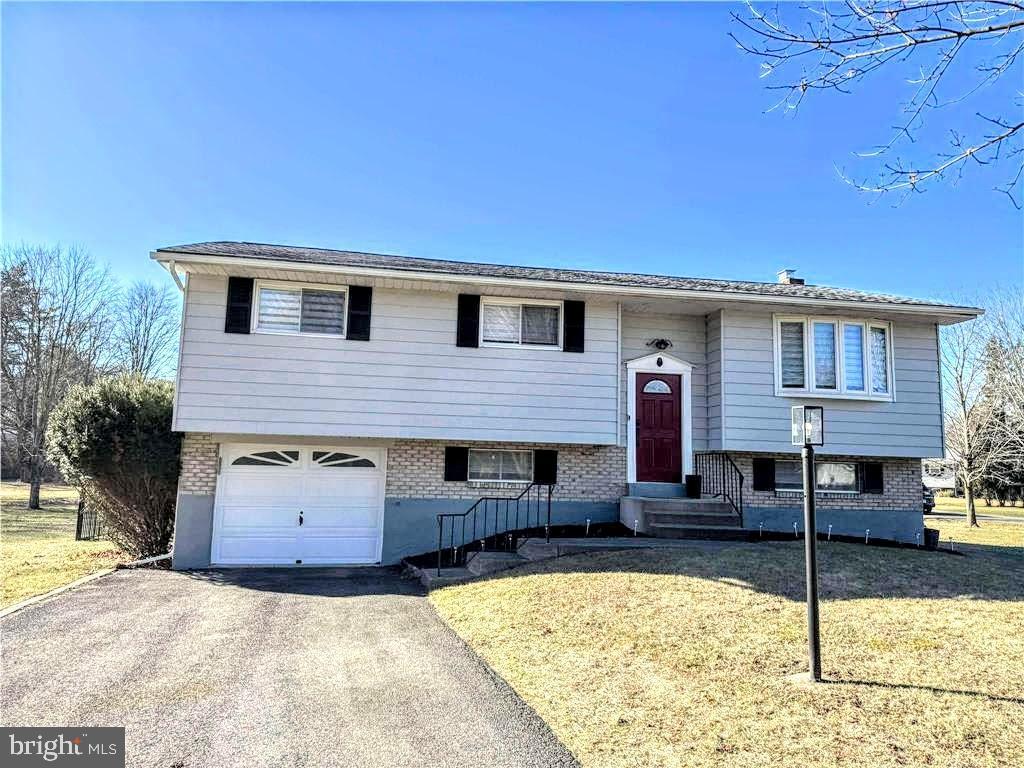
[829,476]
[299,308]
[500,466]
[520,322]
[833,357]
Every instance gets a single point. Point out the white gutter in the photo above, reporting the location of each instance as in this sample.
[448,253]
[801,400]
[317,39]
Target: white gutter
[619,290]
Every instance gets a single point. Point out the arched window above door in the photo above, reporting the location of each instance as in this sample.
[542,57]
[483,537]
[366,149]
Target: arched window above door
[657,387]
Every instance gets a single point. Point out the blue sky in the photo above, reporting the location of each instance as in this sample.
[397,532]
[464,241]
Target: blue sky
[615,137]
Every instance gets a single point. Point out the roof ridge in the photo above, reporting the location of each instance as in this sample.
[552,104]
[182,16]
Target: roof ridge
[481,263]
[584,277]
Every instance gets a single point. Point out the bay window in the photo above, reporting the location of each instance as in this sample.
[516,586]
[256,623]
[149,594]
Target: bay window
[833,357]
[791,354]
[825,364]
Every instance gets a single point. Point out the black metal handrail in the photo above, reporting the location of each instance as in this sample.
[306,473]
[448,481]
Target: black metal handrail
[721,478]
[492,516]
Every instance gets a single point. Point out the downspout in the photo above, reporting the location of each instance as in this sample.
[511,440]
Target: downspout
[174,273]
[618,373]
[942,405]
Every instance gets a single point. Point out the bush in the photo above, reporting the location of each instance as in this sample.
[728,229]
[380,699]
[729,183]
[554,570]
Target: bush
[113,439]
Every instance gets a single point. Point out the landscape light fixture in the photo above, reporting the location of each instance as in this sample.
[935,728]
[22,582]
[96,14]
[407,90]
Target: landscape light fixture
[808,427]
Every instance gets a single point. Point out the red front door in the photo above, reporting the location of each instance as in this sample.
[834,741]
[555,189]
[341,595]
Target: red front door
[659,455]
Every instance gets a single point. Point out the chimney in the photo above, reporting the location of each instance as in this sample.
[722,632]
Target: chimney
[786,277]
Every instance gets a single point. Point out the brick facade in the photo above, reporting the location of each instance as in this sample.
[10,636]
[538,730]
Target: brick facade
[901,482]
[416,470]
[585,473]
[198,464]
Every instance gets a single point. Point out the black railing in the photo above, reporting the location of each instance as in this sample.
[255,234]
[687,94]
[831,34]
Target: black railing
[87,526]
[721,478]
[492,523]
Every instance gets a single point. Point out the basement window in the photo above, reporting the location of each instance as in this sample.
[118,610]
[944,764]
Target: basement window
[830,476]
[500,466]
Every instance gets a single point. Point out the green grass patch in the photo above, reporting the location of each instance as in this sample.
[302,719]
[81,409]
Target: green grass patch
[38,551]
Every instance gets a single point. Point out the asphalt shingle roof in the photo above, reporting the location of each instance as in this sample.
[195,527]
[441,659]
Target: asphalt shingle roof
[296,254]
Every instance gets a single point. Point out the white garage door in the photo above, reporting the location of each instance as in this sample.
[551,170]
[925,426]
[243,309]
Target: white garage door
[298,505]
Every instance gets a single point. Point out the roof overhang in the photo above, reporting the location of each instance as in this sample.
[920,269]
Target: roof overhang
[943,314]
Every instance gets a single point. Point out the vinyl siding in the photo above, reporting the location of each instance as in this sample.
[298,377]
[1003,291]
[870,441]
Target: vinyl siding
[409,380]
[755,419]
[686,332]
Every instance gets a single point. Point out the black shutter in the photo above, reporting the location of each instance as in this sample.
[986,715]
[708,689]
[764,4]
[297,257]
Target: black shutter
[239,309]
[573,321]
[456,463]
[871,477]
[764,474]
[467,333]
[545,467]
[357,326]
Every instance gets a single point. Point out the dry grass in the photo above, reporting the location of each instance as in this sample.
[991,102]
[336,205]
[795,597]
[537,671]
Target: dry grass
[680,658]
[950,504]
[987,533]
[38,551]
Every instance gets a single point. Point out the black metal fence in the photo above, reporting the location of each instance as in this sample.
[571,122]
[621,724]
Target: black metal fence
[88,526]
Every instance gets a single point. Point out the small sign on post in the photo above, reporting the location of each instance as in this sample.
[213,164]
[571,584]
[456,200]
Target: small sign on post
[808,430]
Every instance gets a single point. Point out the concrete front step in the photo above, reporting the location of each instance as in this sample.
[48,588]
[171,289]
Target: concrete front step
[704,505]
[730,519]
[718,532]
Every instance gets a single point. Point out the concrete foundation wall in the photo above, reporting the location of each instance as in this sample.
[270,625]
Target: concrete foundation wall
[410,525]
[893,524]
[193,531]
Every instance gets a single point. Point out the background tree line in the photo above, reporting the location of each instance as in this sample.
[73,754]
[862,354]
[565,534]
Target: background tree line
[983,399]
[66,321]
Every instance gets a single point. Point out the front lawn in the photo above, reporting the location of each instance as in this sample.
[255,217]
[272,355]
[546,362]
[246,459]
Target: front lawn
[38,551]
[959,506]
[681,657]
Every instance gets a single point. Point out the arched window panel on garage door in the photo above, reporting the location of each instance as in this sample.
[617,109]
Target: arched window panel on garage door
[267,459]
[339,459]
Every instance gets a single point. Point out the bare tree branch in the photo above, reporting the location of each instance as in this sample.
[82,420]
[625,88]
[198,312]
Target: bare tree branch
[837,46]
[146,332]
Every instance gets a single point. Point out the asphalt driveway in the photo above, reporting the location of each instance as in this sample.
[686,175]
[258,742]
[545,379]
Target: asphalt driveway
[265,668]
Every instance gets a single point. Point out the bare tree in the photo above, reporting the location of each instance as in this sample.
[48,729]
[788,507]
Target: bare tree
[975,441]
[146,331]
[1006,373]
[832,46]
[56,321]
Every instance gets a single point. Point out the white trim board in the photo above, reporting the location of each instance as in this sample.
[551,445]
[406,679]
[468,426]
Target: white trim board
[951,314]
[659,362]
